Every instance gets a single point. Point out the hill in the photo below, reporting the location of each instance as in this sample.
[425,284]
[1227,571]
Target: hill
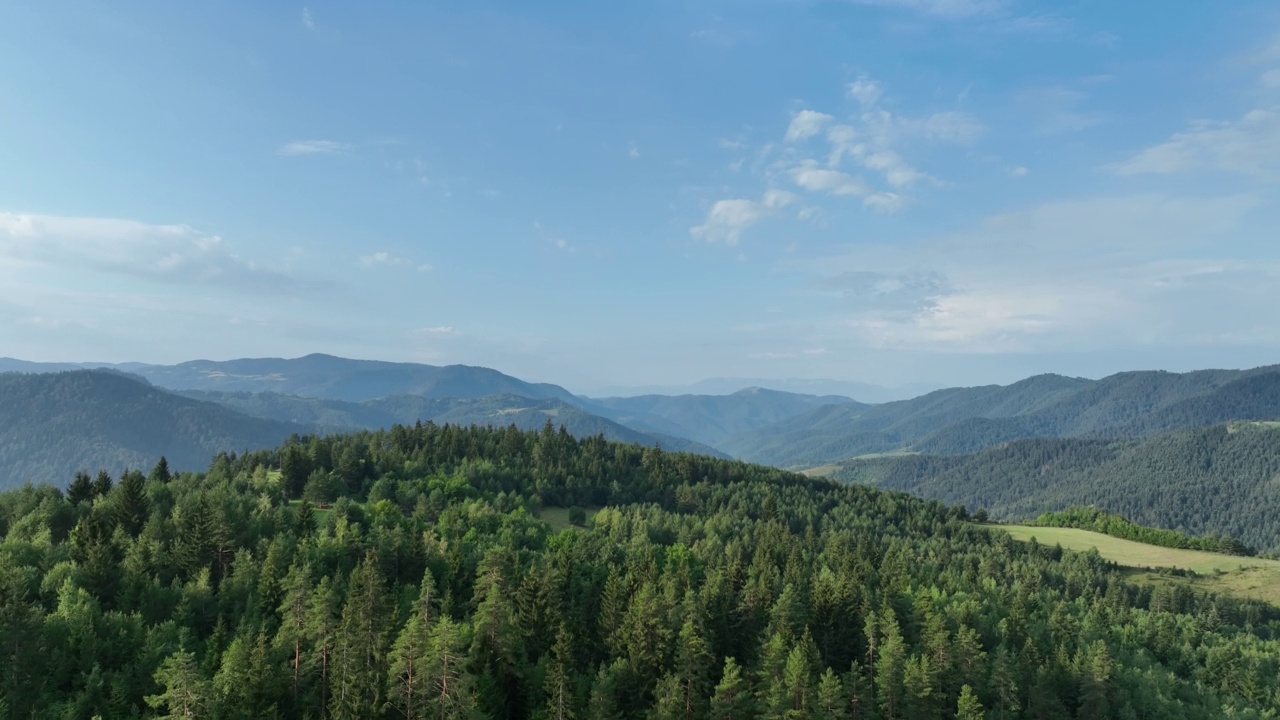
[700,588]
[710,419]
[334,378]
[963,420]
[496,410]
[1221,480]
[52,425]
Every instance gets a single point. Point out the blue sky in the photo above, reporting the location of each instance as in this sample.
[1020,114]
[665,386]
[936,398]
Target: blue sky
[887,191]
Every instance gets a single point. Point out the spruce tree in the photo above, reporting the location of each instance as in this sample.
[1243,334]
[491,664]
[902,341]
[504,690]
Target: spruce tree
[732,699]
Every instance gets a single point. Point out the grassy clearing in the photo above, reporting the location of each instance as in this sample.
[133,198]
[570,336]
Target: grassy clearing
[1228,574]
[831,468]
[821,471]
[558,518]
[1269,424]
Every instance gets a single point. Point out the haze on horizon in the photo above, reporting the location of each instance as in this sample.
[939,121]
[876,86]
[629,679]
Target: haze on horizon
[896,192]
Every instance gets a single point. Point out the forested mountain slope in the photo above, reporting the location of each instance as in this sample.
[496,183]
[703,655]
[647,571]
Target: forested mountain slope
[496,410]
[54,424]
[334,378]
[710,419]
[704,588]
[1222,480]
[962,420]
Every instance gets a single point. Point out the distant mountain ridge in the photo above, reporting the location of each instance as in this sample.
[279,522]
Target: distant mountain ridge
[962,420]
[525,413]
[710,419]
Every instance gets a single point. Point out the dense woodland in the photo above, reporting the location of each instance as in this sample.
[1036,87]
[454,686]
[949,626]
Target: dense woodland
[1217,481]
[703,588]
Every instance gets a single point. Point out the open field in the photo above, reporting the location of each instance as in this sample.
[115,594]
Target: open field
[558,518]
[830,469]
[1228,574]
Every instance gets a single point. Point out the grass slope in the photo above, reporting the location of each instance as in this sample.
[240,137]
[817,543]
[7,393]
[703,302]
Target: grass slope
[1249,577]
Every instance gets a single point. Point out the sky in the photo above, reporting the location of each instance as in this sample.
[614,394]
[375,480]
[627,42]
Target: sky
[896,192]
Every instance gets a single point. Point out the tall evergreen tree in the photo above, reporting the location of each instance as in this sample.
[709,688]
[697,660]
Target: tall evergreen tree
[360,650]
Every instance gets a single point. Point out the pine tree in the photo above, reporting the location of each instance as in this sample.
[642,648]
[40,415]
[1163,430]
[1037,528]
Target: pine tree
[321,633]
[160,473]
[890,665]
[293,623]
[831,702]
[602,702]
[81,489]
[693,658]
[968,707]
[132,509]
[304,520]
[559,682]
[102,484]
[186,695]
[450,694]
[407,688]
[361,648]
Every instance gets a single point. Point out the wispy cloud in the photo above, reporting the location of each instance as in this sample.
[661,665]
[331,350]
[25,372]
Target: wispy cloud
[314,147]
[949,9]
[1058,276]
[165,253]
[307,21]
[1250,145]
[1059,110]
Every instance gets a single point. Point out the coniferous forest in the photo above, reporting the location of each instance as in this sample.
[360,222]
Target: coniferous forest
[417,580]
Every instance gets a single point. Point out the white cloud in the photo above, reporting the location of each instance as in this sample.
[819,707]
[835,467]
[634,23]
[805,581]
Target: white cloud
[1019,171]
[805,124]
[166,253]
[634,153]
[314,147]
[886,202]
[1250,145]
[426,267]
[437,330]
[949,9]
[810,176]
[866,91]
[1270,79]
[307,21]
[896,170]
[728,219]
[778,198]
[379,259]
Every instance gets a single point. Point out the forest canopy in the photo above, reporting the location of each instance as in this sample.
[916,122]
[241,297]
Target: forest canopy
[430,587]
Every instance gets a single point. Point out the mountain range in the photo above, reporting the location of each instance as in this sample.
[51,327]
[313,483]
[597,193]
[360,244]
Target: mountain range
[963,420]
[1042,443]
